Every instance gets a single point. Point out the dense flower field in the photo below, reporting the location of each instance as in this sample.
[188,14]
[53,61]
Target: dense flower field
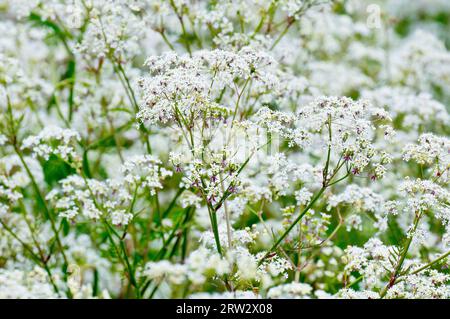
[224,149]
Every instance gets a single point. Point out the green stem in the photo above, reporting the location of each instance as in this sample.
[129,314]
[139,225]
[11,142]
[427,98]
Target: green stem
[287,231]
[398,267]
[238,100]
[431,263]
[41,200]
[283,33]
[215,228]
[163,35]
[173,202]
[38,259]
[181,223]
[183,27]
[124,259]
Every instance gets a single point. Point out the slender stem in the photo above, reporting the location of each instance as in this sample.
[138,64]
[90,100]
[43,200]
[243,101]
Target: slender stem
[43,203]
[214,226]
[287,231]
[118,69]
[431,263]
[43,258]
[110,230]
[227,216]
[185,40]
[325,171]
[238,100]
[124,259]
[173,202]
[283,33]
[166,40]
[428,265]
[40,260]
[180,224]
[24,245]
[338,180]
[355,281]
[398,267]
[33,181]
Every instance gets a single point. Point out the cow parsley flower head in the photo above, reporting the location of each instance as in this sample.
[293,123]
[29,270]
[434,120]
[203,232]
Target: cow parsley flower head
[92,199]
[347,293]
[425,195]
[53,140]
[430,284]
[114,29]
[185,87]
[347,128]
[294,290]
[34,284]
[432,151]
[372,261]
[409,110]
[200,265]
[145,171]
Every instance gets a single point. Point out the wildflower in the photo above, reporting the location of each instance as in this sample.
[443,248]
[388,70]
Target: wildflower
[54,140]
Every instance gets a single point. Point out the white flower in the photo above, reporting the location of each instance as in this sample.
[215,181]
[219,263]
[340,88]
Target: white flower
[120,217]
[34,284]
[53,140]
[303,196]
[291,291]
[145,171]
[431,150]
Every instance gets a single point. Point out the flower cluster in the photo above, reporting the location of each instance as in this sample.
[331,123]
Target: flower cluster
[145,171]
[53,141]
[224,149]
[93,199]
[432,151]
[184,88]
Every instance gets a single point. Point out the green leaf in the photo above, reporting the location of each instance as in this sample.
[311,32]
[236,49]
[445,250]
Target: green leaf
[56,169]
[65,226]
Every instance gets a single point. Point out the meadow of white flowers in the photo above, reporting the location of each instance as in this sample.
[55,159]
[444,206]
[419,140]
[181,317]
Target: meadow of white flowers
[224,149]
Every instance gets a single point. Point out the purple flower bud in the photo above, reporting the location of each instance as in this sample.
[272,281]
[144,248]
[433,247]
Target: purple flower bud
[232,189]
[211,199]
